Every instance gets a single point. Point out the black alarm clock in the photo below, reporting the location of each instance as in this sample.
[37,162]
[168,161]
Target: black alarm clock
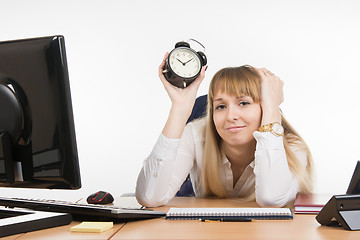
[184,64]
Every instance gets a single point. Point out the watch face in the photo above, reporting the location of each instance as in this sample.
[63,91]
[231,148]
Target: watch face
[184,62]
[278,129]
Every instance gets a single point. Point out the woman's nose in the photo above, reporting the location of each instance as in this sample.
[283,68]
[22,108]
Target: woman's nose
[233,113]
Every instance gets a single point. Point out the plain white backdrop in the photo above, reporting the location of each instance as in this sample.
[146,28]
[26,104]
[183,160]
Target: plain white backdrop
[114,49]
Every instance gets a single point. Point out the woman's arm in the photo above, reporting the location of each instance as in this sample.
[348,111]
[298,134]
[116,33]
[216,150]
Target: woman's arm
[275,184]
[182,100]
[165,169]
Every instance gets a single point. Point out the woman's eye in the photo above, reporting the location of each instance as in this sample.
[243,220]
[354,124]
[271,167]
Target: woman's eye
[244,103]
[220,107]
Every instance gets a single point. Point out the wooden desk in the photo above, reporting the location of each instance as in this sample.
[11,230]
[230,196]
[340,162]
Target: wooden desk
[301,227]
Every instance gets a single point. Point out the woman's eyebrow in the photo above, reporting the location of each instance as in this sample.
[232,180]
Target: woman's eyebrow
[243,96]
[238,97]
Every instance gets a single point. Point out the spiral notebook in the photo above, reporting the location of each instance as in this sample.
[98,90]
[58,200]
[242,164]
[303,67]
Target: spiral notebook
[228,213]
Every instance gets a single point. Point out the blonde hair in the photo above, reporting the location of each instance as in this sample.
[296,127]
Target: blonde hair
[236,81]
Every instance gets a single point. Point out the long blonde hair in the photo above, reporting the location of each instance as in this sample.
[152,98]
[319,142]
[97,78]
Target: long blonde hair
[236,81]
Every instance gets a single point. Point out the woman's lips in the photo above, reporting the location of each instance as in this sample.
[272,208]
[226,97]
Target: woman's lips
[235,128]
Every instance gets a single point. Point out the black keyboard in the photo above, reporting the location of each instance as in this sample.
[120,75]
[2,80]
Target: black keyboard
[81,211]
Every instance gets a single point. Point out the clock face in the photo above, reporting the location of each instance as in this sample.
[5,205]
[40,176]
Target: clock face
[184,62]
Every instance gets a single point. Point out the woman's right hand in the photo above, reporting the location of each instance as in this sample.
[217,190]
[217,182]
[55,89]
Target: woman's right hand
[181,97]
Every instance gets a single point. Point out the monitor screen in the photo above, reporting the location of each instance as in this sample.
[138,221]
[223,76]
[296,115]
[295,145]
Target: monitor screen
[37,134]
[354,185]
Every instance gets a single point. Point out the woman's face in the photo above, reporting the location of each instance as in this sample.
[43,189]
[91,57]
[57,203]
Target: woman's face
[236,118]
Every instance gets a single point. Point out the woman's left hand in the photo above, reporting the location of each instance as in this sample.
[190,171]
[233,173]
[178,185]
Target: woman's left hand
[272,95]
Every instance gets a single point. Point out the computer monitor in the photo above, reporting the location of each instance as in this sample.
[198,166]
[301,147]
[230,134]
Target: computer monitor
[37,134]
[354,185]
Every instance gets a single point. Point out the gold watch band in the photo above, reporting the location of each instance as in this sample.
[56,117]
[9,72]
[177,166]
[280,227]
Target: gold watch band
[265,128]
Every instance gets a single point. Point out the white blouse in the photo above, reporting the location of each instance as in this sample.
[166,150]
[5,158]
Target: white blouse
[171,160]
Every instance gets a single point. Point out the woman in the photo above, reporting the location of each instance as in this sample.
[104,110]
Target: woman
[242,148]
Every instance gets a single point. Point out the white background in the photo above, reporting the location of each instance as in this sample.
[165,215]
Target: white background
[114,49]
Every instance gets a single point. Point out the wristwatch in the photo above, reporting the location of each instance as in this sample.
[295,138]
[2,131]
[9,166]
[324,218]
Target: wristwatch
[275,128]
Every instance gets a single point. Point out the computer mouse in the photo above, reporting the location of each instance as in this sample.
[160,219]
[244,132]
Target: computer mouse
[100,197]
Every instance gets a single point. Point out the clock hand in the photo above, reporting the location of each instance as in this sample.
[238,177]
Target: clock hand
[181,62]
[188,61]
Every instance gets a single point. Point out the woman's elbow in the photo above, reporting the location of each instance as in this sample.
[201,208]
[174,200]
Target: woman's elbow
[149,202]
[267,199]
[146,201]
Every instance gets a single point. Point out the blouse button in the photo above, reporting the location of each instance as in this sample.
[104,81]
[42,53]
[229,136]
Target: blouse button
[155,174]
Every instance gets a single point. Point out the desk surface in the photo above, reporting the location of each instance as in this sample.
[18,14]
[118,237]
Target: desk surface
[301,227]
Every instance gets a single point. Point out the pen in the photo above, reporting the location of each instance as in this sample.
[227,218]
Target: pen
[227,220]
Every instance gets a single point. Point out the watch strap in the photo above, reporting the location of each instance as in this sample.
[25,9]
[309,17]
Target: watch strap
[265,128]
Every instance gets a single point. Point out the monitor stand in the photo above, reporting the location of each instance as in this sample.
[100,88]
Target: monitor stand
[19,220]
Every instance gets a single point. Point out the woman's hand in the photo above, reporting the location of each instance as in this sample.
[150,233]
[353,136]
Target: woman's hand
[272,95]
[181,97]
